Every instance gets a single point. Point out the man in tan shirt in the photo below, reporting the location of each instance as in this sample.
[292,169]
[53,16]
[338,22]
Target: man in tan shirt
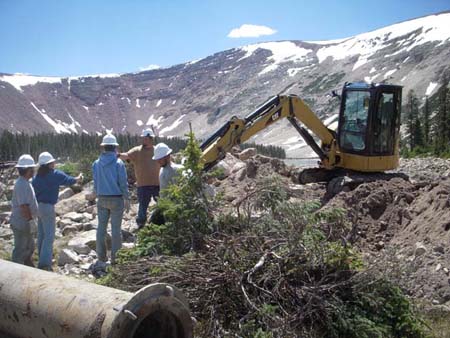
[147,173]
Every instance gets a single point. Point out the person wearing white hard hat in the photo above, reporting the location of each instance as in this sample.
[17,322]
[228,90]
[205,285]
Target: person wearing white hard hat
[24,211]
[111,188]
[46,186]
[146,171]
[169,170]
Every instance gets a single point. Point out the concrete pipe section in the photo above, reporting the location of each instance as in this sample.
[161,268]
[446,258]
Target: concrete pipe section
[40,304]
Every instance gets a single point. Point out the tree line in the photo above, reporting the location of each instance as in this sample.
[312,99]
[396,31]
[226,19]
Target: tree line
[76,147]
[427,126]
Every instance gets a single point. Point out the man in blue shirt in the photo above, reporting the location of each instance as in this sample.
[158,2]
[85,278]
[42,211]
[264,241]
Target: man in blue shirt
[46,186]
[111,188]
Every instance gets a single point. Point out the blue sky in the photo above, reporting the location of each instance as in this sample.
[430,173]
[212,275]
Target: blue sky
[63,38]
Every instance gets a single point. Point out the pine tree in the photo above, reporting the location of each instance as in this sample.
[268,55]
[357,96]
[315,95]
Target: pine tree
[442,119]
[426,121]
[412,115]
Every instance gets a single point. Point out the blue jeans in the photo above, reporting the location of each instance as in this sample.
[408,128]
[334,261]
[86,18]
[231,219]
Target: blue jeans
[23,244]
[145,194]
[46,234]
[109,206]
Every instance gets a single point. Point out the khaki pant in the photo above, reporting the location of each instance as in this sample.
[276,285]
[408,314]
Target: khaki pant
[23,244]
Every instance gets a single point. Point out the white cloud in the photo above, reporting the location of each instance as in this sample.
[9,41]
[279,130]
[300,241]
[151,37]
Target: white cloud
[251,31]
[149,67]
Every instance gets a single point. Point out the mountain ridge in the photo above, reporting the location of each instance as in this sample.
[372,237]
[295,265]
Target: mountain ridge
[209,91]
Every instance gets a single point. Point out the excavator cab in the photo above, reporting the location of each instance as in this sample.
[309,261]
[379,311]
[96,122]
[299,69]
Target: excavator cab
[369,123]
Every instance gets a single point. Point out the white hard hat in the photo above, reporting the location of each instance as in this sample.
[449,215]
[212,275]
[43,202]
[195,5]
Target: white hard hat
[161,150]
[109,140]
[148,132]
[25,161]
[46,158]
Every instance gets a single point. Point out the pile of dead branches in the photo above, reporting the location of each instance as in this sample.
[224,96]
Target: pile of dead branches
[289,272]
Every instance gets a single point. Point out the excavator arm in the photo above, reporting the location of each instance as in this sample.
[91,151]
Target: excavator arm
[237,130]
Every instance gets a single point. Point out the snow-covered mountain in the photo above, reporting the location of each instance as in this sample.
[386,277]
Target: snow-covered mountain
[209,91]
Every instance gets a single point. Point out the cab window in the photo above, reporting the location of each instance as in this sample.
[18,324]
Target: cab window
[354,121]
[384,124]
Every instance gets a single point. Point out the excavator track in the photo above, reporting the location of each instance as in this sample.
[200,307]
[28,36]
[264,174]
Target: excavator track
[343,180]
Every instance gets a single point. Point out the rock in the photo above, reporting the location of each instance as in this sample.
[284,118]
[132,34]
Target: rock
[251,169]
[88,216]
[446,271]
[84,242]
[4,216]
[64,223]
[439,249]
[74,216]
[379,245]
[6,233]
[90,197]
[74,203]
[128,245]
[127,236]
[247,153]
[420,249]
[67,256]
[69,229]
[438,267]
[88,226]
[238,166]
[65,194]
[5,206]
[228,164]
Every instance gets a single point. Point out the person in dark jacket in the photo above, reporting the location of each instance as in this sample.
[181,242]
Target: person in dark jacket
[46,186]
[111,188]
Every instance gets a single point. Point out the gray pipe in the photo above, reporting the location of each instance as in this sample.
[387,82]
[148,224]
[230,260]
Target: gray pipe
[40,304]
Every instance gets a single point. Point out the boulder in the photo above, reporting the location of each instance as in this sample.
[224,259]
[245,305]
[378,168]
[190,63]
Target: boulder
[74,216]
[66,193]
[247,153]
[5,206]
[64,223]
[67,256]
[420,249]
[84,242]
[6,233]
[228,164]
[70,229]
[74,203]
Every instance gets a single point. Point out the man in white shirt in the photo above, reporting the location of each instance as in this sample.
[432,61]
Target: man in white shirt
[169,170]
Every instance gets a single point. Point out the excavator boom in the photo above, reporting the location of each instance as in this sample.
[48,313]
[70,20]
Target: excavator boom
[237,130]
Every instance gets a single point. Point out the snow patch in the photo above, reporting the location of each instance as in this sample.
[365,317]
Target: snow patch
[430,88]
[283,51]
[139,123]
[177,122]
[389,73]
[58,126]
[372,70]
[21,80]
[154,122]
[174,101]
[137,103]
[86,108]
[158,103]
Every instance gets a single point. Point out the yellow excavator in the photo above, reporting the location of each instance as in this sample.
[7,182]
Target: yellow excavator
[366,140]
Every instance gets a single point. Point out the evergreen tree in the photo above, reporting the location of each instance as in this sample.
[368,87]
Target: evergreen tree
[412,116]
[426,122]
[442,119]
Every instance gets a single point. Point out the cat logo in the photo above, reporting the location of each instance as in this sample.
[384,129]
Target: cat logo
[274,117]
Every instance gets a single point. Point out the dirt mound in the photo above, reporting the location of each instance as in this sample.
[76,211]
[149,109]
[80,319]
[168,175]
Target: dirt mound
[406,224]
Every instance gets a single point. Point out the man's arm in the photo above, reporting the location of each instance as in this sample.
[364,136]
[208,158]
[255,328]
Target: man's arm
[124,156]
